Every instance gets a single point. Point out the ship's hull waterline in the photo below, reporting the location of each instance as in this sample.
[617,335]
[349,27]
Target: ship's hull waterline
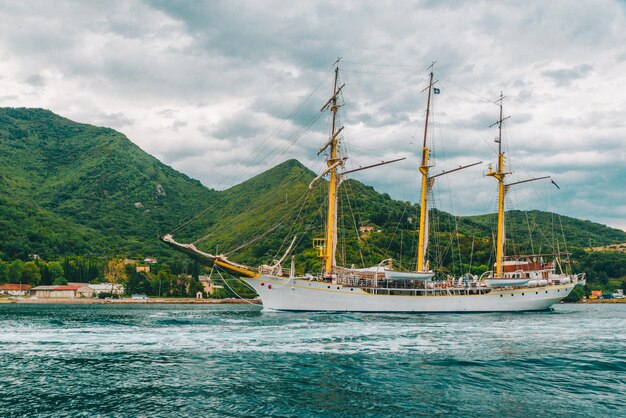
[284,294]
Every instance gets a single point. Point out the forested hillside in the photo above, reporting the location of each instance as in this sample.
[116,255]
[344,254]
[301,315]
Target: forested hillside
[259,217]
[70,189]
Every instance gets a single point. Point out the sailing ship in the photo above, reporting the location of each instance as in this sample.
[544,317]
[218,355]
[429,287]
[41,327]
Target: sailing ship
[523,283]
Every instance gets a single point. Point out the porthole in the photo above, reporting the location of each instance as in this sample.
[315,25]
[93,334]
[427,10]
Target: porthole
[511,294]
[337,288]
[522,294]
[329,287]
[546,291]
[536,293]
[500,295]
[351,290]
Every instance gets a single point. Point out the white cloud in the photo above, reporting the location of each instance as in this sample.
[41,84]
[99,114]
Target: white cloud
[211,87]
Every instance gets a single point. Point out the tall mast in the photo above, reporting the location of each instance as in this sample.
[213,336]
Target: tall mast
[331,161]
[426,185]
[499,175]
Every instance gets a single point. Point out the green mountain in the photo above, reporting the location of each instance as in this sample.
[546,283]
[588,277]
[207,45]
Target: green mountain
[70,188]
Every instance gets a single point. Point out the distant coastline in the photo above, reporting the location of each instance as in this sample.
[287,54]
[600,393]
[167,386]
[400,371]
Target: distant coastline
[591,301]
[190,301]
[127,301]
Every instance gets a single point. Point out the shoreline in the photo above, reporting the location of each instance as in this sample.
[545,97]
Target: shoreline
[125,301]
[592,301]
[191,301]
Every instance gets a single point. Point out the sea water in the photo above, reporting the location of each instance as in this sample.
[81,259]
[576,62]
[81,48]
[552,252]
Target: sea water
[237,360]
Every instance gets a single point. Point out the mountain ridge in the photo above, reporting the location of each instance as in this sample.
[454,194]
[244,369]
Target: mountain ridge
[72,188]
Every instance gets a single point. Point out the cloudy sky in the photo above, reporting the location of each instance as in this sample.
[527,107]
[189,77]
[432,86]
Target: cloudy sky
[225,90]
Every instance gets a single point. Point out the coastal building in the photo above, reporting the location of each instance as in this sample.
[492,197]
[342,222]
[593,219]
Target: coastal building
[366,229]
[595,294]
[150,260]
[98,288]
[208,285]
[65,291]
[14,289]
[139,269]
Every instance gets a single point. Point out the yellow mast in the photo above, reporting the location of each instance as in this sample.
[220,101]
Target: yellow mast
[331,221]
[499,175]
[426,184]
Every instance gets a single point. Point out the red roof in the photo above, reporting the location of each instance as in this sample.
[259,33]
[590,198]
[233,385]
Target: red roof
[14,286]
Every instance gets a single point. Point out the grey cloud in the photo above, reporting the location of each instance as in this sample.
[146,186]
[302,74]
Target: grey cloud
[36,80]
[166,113]
[293,108]
[479,121]
[564,77]
[182,150]
[177,124]
[612,119]
[241,125]
[116,120]
[206,81]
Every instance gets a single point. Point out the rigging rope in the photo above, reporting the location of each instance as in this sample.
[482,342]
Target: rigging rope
[295,138]
[294,224]
[262,145]
[348,184]
[231,289]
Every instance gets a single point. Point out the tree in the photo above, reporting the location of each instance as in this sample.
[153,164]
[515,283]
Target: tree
[4,271]
[55,270]
[138,282]
[162,281]
[115,272]
[15,271]
[195,286]
[60,281]
[575,295]
[31,273]
[182,285]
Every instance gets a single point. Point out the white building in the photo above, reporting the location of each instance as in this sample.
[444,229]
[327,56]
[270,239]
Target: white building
[116,289]
[65,291]
[14,289]
[208,285]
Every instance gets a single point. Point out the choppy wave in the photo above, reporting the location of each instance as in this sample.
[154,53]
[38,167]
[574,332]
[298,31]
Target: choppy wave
[238,360]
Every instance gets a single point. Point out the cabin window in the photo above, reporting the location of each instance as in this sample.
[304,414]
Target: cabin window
[511,294]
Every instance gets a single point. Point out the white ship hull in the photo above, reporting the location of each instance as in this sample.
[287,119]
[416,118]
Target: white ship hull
[302,295]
